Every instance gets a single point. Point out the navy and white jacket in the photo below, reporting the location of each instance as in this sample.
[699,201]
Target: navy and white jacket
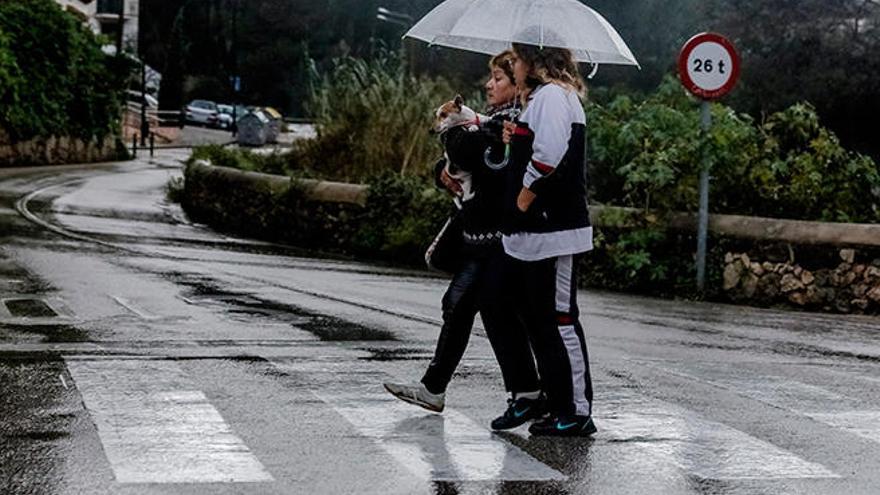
[547,157]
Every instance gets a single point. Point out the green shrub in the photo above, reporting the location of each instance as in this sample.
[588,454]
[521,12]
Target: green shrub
[54,78]
[277,163]
[648,155]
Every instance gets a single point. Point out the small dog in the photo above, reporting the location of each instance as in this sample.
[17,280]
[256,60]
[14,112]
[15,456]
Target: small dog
[451,114]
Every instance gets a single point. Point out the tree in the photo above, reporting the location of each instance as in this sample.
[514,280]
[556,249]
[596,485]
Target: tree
[66,87]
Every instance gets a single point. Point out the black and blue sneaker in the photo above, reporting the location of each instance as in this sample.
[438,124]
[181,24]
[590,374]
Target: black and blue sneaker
[518,412]
[564,426]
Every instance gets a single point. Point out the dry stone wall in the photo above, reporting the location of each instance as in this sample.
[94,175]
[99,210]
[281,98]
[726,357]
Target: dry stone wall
[853,286]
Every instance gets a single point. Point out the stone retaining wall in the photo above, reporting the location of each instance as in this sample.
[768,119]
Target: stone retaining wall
[853,286]
[57,151]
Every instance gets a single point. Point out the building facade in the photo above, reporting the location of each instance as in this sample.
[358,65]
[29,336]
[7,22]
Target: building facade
[102,16]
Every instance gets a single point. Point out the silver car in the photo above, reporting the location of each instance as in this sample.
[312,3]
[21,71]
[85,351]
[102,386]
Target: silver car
[203,112]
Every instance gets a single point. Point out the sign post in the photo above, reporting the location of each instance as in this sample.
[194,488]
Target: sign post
[708,67]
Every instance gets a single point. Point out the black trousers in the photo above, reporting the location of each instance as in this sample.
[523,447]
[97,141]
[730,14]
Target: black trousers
[480,286]
[546,290]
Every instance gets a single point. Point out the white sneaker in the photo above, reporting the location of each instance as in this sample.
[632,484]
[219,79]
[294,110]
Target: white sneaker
[416,393]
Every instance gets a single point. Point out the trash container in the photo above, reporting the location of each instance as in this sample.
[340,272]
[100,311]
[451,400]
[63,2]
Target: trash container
[253,129]
[275,123]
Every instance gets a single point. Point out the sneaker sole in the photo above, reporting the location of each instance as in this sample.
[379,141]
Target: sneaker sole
[415,402]
[586,432]
[524,420]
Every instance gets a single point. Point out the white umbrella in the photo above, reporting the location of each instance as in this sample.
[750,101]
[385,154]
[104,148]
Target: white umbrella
[490,26]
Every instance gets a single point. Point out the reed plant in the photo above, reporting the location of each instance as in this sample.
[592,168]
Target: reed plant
[372,117]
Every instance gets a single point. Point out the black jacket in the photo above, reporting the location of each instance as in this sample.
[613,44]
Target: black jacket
[481,215]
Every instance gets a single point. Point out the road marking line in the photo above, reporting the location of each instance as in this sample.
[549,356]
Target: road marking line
[157,428]
[438,447]
[800,398]
[144,315]
[862,423]
[707,449]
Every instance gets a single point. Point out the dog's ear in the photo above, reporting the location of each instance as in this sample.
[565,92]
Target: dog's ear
[459,101]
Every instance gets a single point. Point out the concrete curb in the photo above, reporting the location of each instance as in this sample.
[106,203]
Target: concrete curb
[314,190]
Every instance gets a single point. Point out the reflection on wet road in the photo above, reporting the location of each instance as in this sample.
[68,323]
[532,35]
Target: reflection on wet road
[140,353]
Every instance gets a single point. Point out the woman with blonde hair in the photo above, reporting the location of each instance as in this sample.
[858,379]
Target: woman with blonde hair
[547,224]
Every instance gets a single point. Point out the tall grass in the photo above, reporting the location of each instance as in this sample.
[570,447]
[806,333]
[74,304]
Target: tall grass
[372,117]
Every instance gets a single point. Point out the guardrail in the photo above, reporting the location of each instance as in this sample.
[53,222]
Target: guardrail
[165,118]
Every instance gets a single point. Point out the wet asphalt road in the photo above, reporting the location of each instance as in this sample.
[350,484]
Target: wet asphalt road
[142,354]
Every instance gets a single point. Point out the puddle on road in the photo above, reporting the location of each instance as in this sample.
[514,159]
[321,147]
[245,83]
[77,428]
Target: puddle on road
[246,307]
[398,354]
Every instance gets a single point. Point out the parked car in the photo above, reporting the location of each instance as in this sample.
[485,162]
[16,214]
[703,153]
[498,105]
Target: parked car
[225,118]
[203,112]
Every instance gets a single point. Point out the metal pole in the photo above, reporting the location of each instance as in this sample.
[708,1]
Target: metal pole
[152,144]
[145,126]
[134,146]
[703,227]
[235,75]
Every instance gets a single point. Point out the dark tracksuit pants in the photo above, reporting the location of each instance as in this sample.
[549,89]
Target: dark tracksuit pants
[546,291]
[479,286]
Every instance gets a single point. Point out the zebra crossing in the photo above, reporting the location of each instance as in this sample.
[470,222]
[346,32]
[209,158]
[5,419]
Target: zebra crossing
[157,427]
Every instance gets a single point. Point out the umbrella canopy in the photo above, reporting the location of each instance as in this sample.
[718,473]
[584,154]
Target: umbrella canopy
[490,26]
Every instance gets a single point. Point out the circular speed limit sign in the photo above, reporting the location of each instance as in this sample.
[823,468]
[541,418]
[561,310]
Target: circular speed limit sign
[708,66]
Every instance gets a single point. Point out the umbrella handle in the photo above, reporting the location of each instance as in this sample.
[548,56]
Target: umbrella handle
[496,166]
[594,71]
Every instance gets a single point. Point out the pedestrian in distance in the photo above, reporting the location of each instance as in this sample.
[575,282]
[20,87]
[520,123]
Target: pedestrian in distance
[478,282]
[546,226]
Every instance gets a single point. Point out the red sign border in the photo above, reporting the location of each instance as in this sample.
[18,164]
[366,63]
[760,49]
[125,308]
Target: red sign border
[685,78]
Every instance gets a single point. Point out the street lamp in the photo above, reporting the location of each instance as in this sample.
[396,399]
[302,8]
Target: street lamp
[393,17]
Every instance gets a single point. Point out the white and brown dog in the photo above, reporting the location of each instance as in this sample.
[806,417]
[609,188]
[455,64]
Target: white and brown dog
[451,114]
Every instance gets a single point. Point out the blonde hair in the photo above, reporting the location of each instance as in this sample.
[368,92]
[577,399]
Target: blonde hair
[550,65]
[504,61]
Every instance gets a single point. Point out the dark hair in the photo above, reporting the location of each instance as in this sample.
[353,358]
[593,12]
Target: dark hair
[550,65]
[504,61]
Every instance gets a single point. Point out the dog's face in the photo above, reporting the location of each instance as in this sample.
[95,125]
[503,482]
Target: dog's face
[451,114]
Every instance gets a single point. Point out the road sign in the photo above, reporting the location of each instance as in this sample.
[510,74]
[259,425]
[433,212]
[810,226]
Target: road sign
[708,66]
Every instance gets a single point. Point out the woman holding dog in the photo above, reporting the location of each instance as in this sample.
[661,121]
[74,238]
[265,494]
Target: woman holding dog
[546,226]
[478,283]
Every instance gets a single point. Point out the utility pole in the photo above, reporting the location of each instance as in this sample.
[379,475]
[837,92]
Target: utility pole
[236,78]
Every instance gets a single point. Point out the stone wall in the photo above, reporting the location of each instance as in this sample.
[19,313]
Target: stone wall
[56,151]
[852,286]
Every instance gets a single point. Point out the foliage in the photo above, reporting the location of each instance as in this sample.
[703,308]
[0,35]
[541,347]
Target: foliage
[400,219]
[66,87]
[644,153]
[403,215]
[243,159]
[649,155]
[372,117]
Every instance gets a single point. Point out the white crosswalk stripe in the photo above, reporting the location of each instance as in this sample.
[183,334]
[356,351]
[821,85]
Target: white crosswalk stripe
[822,405]
[667,433]
[438,447]
[157,428]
